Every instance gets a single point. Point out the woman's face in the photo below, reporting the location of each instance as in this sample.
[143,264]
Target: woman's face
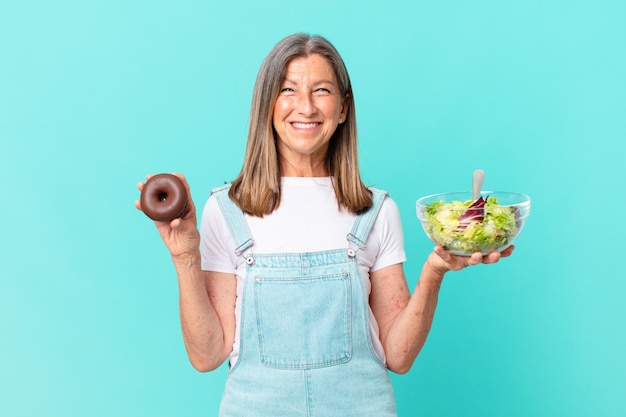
[306,114]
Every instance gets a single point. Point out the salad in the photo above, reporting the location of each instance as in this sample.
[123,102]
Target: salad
[469,226]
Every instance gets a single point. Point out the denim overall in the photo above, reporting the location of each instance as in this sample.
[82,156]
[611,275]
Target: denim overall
[305,347]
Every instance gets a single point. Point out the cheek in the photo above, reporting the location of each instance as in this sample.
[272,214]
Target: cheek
[331,107]
[281,109]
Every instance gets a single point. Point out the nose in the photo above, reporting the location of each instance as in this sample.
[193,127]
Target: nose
[305,104]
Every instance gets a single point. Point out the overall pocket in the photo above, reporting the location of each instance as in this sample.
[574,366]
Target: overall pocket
[304,322]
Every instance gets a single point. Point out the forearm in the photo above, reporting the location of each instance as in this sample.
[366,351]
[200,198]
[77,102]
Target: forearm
[201,327]
[408,332]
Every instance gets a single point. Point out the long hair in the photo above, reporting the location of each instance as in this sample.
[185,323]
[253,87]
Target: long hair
[257,189]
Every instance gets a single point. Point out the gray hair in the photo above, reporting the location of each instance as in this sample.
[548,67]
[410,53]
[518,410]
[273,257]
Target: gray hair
[257,188]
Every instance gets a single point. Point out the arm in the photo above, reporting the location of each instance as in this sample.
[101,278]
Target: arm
[206,299]
[207,313]
[404,320]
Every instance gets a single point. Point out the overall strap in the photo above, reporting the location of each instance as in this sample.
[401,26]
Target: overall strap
[364,222]
[234,219]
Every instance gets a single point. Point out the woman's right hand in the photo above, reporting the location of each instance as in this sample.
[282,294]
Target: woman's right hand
[180,235]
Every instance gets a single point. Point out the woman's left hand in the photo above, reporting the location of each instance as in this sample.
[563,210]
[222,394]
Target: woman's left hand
[442,261]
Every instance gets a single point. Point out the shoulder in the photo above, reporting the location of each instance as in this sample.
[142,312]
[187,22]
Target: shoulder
[215,205]
[220,193]
[387,204]
[389,214]
[388,223]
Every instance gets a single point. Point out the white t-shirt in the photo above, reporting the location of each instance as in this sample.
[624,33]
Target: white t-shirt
[307,220]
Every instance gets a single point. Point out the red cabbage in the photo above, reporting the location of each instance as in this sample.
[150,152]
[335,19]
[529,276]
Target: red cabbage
[474,213]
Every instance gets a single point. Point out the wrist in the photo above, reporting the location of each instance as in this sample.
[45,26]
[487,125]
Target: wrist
[186,259]
[432,271]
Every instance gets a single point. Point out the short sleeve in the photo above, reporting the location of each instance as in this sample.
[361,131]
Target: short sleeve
[387,231]
[217,247]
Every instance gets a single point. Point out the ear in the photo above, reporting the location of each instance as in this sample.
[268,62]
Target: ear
[343,115]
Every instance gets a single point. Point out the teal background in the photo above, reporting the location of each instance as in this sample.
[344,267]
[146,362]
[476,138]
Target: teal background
[96,94]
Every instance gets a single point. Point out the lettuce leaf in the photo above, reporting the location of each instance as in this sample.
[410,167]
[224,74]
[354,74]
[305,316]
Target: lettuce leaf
[470,226]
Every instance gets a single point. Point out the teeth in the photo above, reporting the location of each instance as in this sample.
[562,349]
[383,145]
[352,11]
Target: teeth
[304,125]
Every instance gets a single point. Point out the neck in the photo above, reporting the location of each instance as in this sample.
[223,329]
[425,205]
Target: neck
[303,169]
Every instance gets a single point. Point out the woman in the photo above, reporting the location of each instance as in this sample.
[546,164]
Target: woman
[310,320]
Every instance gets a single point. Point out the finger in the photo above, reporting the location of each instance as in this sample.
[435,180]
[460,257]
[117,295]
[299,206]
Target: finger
[475,258]
[138,205]
[180,176]
[492,258]
[176,223]
[442,253]
[507,252]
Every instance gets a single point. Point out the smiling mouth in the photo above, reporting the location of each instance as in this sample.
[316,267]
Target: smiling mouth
[301,125]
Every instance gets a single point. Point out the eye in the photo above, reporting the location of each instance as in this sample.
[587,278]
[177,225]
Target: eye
[323,90]
[286,90]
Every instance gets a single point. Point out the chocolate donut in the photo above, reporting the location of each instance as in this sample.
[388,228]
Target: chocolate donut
[163,198]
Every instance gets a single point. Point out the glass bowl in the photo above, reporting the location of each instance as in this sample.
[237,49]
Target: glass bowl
[463,225]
